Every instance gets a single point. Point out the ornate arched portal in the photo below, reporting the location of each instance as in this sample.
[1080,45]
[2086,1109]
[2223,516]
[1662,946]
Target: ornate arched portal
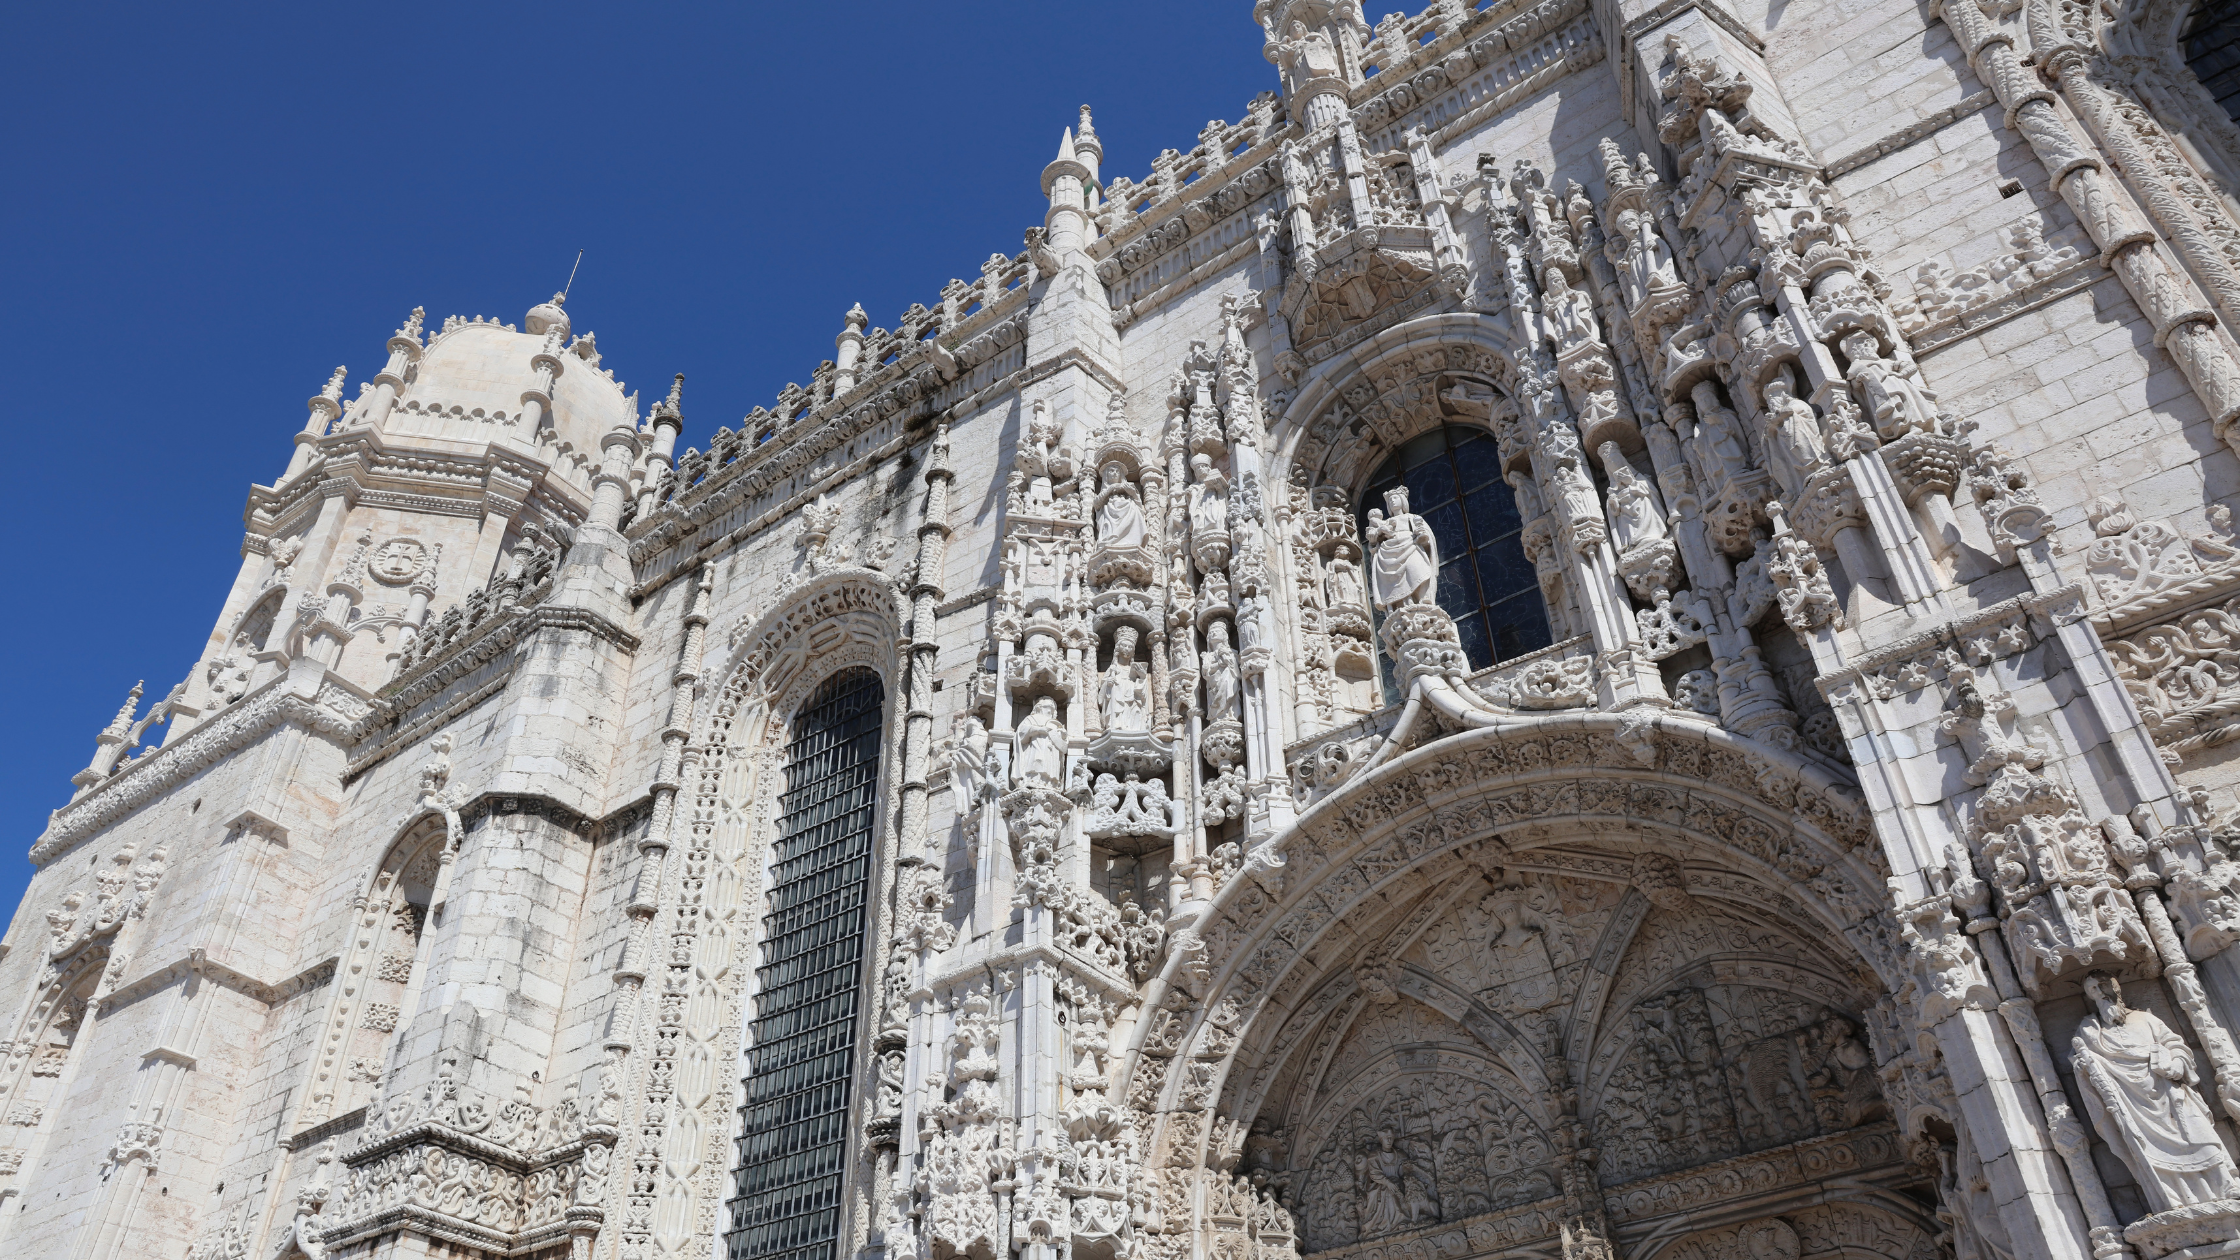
[1522,972]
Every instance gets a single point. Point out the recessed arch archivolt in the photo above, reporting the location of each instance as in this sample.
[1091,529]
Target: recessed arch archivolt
[1519,941]
[1360,407]
[838,619]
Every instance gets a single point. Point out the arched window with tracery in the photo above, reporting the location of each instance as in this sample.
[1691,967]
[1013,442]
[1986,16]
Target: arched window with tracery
[793,1143]
[1454,480]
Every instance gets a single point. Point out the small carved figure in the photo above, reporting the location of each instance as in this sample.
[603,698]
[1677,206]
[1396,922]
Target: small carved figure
[1042,748]
[1221,673]
[1209,499]
[1636,509]
[1795,447]
[968,760]
[1344,582]
[1309,54]
[1252,628]
[1571,321]
[1124,695]
[1120,516]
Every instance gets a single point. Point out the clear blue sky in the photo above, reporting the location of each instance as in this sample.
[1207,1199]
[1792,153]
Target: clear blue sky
[213,205]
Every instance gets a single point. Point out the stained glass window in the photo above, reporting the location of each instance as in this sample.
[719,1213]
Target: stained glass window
[786,1204]
[1453,476]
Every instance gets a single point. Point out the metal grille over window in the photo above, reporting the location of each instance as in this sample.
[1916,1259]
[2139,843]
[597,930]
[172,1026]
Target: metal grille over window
[1453,476]
[794,1139]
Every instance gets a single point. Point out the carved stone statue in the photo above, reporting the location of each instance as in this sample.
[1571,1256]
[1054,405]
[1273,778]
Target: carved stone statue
[1344,583]
[1719,447]
[1221,673]
[1252,628]
[1042,748]
[1794,448]
[1124,695]
[1636,509]
[2139,1087]
[1209,498]
[968,761]
[1893,400]
[1120,516]
[1309,54]
[1571,321]
[1395,1192]
[1406,568]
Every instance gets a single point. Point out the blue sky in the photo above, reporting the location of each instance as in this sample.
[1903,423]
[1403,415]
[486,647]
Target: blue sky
[215,205]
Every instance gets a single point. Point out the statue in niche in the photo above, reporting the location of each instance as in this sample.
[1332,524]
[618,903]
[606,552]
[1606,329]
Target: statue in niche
[1636,509]
[1396,1189]
[1648,262]
[2140,1088]
[1571,322]
[1893,400]
[1719,446]
[1406,569]
[1120,516]
[1209,499]
[1344,582]
[1124,695]
[1221,673]
[1252,626]
[1042,748]
[1794,436]
[1574,488]
[968,760]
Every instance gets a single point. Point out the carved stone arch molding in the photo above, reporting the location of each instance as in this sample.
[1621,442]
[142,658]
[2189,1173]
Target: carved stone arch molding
[1359,408]
[711,917]
[385,956]
[1525,961]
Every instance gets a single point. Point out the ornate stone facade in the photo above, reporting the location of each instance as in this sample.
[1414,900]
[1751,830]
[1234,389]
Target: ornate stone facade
[1607,630]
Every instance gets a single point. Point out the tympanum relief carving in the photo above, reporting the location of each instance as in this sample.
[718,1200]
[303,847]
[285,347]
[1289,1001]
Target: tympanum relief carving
[1480,1034]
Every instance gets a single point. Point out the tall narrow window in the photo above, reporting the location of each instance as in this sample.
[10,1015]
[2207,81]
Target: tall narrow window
[793,1143]
[1453,476]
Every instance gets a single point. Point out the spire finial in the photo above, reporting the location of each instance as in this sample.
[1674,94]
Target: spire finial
[123,721]
[674,403]
[1085,143]
[333,391]
[1065,147]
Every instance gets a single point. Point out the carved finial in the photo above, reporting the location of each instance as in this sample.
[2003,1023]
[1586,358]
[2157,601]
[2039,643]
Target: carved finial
[333,391]
[856,319]
[411,328]
[673,405]
[1085,136]
[123,721]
